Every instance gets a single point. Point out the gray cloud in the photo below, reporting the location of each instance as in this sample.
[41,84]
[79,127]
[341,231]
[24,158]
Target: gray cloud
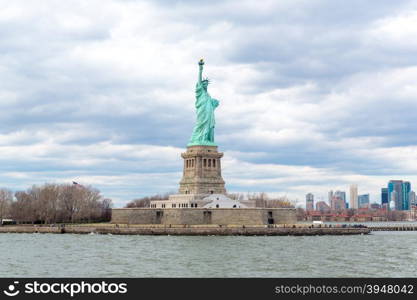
[323,89]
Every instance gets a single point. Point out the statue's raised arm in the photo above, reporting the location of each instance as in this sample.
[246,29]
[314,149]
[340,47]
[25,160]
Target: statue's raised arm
[200,71]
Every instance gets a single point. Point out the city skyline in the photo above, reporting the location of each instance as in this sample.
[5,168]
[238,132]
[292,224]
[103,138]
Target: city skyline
[100,93]
[396,195]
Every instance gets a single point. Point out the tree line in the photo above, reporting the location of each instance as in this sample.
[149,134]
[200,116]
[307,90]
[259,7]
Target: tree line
[55,203]
[146,201]
[264,200]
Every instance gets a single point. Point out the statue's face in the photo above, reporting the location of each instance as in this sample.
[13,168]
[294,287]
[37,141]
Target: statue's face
[205,84]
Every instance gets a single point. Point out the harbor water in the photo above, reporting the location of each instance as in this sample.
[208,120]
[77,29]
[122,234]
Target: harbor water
[380,254]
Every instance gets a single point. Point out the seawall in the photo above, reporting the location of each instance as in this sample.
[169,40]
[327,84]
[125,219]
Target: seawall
[184,230]
[204,216]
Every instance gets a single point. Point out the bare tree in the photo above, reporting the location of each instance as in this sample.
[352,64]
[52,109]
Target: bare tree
[259,198]
[49,196]
[280,202]
[301,214]
[236,196]
[23,209]
[263,200]
[145,201]
[68,203]
[106,206]
[6,198]
[53,203]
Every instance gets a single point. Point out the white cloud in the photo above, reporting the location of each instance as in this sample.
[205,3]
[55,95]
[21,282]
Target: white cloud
[397,31]
[313,96]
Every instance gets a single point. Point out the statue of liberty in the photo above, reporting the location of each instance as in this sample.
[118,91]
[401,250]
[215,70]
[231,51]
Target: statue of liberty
[203,133]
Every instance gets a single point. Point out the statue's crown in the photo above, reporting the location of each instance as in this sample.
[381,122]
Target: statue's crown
[206,79]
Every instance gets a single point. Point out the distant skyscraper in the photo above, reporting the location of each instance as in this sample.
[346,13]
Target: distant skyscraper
[341,195]
[322,206]
[339,200]
[392,203]
[406,194]
[353,203]
[384,196]
[395,189]
[401,196]
[338,203]
[309,201]
[393,200]
[363,201]
[330,198]
[412,199]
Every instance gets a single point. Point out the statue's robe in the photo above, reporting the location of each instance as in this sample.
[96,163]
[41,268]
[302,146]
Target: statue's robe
[203,133]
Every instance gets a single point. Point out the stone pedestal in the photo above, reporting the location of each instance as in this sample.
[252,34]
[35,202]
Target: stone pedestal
[202,171]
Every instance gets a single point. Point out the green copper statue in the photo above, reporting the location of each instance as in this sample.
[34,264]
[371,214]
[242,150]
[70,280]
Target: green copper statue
[203,133]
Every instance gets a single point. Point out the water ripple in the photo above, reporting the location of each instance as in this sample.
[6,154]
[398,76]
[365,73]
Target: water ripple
[381,254]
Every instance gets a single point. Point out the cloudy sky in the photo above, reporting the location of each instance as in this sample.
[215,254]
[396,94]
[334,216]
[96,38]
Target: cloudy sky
[314,95]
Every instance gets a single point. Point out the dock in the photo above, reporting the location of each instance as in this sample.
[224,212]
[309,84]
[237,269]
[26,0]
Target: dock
[394,228]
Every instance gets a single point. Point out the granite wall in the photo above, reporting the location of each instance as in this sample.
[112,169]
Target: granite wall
[196,216]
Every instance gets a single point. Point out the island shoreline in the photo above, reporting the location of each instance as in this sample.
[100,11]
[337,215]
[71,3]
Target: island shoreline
[185,230]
